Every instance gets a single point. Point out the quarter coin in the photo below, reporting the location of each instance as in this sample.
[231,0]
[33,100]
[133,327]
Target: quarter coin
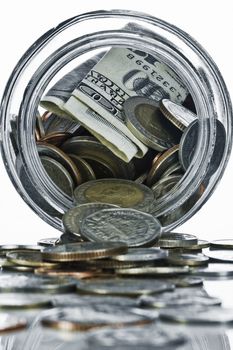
[124,193]
[148,124]
[134,228]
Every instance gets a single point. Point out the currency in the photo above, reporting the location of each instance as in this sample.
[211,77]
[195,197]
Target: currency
[221,255]
[55,138]
[187,259]
[86,171]
[27,258]
[177,114]
[147,123]
[222,243]
[176,240]
[142,254]
[184,282]
[217,270]
[124,193]
[48,242]
[155,270]
[83,251]
[17,301]
[127,287]
[131,226]
[10,323]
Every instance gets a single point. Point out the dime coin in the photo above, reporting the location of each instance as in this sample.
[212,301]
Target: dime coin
[222,243]
[164,162]
[142,254]
[220,270]
[221,255]
[27,258]
[54,152]
[135,228]
[177,114]
[84,167]
[18,301]
[124,193]
[187,259]
[58,174]
[130,287]
[199,314]
[156,271]
[83,251]
[201,244]
[55,138]
[139,338]
[176,240]
[147,123]
[10,323]
[73,218]
[22,283]
[88,148]
[53,124]
[48,242]
[177,298]
[83,318]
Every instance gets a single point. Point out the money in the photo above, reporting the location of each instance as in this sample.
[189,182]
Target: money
[184,282]
[142,254]
[147,123]
[217,270]
[177,114]
[154,271]
[83,251]
[48,242]
[124,193]
[86,171]
[10,323]
[221,254]
[134,228]
[26,258]
[17,301]
[222,243]
[187,259]
[125,287]
[176,240]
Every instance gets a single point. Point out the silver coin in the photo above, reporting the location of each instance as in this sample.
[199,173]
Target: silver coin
[148,124]
[222,243]
[82,318]
[174,169]
[28,258]
[9,247]
[18,301]
[22,283]
[163,187]
[136,338]
[142,254]
[154,271]
[184,282]
[73,218]
[11,323]
[58,174]
[67,238]
[48,242]
[187,259]
[177,299]
[221,255]
[134,228]
[213,270]
[176,240]
[177,114]
[201,244]
[124,193]
[199,314]
[132,287]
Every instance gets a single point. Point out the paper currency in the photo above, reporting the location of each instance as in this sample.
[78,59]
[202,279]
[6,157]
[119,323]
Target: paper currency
[57,96]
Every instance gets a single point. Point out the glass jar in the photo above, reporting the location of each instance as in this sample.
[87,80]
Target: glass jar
[71,43]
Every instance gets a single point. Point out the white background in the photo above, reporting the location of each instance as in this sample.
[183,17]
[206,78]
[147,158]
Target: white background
[22,22]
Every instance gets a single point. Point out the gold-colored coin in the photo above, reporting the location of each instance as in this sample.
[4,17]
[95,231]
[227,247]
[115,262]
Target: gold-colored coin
[161,164]
[84,167]
[124,193]
[55,138]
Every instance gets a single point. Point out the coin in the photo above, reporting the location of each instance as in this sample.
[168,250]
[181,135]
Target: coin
[83,318]
[131,226]
[55,138]
[48,242]
[142,254]
[17,301]
[53,123]
[176,240]
[88,148]
[67,238]
[199,314]
[163,187]
[58,174]
[84,168]
[220,270]
[64,273]
[4,261]
[155,270]
[9,247]
[17,269]
[83,251]
[142,178]
[147,123]
[221,255]
[58,155]
[167,159]
[124,193]
[187,259]
[10,323]
[184,282]
[201,244]
[106,264]
[177,114]
[130,287]
[129,338]
[222,243]
[27,258]
[22,283]
[73,218]
[174,169]
[176,299]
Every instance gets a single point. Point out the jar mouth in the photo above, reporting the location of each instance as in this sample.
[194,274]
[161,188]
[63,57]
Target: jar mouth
[172,47]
